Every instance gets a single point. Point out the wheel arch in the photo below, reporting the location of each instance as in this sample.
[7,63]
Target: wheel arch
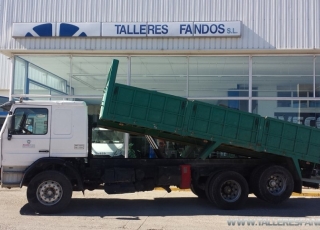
[57,164]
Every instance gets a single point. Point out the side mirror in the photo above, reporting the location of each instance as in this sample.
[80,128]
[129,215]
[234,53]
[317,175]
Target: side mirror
[10,125]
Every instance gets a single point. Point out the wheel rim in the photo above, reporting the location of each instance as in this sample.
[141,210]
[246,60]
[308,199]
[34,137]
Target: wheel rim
[276,184]
[49,192]
[230,191]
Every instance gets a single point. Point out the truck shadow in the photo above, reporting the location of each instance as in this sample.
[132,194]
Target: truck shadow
[132,209]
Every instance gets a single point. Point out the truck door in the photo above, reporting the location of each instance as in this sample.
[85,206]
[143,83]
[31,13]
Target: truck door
[30,139]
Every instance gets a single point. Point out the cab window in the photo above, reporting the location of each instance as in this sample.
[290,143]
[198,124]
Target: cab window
[31,121]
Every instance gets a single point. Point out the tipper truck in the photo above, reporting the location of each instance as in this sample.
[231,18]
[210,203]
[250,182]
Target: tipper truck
[46,146]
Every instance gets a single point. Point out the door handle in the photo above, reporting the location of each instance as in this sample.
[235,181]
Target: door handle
[43,151]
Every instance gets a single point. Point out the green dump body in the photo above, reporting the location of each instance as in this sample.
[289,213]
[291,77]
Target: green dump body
[146,112]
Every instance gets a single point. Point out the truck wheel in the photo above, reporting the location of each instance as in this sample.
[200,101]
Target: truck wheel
[207,188]
[228,190]
[254,180]
[49,192]
[275,184]
[198,191]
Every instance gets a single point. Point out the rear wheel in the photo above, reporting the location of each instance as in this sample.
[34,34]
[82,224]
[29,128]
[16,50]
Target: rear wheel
[49,192]
[275,184]
[254,180]
[228,190]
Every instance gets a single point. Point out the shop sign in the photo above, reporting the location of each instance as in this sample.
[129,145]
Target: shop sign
[172,29]
[120,29]
[307,119]
[34,29]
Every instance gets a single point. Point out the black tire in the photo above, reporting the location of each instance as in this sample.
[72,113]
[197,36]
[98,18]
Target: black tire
[228,190]
[275,184]
[254,178]
[49,192]
[198,191]
[207,188]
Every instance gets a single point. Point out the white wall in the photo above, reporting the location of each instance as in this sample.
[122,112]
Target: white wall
[5,75]
[266,24]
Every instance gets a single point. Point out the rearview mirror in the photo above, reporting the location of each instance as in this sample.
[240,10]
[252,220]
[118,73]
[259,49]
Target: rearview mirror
[10,125]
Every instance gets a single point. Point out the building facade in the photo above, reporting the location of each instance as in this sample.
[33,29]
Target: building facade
[260,56]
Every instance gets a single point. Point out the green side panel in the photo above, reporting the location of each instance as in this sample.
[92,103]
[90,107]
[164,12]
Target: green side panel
[143,111]
[314,143]
[292,140]
[302,138]
[213,122]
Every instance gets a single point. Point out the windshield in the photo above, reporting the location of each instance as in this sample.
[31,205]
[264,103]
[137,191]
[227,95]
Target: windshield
[106,136]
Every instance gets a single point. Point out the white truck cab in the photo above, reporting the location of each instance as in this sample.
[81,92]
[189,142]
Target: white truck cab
[40,129]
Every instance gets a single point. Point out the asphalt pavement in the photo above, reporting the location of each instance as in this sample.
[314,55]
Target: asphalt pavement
[156,210]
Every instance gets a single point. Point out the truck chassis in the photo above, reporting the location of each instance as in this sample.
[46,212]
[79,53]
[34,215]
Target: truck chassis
[226,183]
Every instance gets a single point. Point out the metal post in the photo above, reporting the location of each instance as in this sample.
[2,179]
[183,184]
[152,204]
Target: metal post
[314,76]
[26,78]
[187,93]
[126,135]
[129,71]
[70,77]
[11,90]
[250,85]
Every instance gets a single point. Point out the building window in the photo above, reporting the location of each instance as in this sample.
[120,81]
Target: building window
[278,84]
[272,75]
[165,74]
[219,76]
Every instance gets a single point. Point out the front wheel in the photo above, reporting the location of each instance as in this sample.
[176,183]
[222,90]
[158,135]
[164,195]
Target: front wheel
[49,192]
